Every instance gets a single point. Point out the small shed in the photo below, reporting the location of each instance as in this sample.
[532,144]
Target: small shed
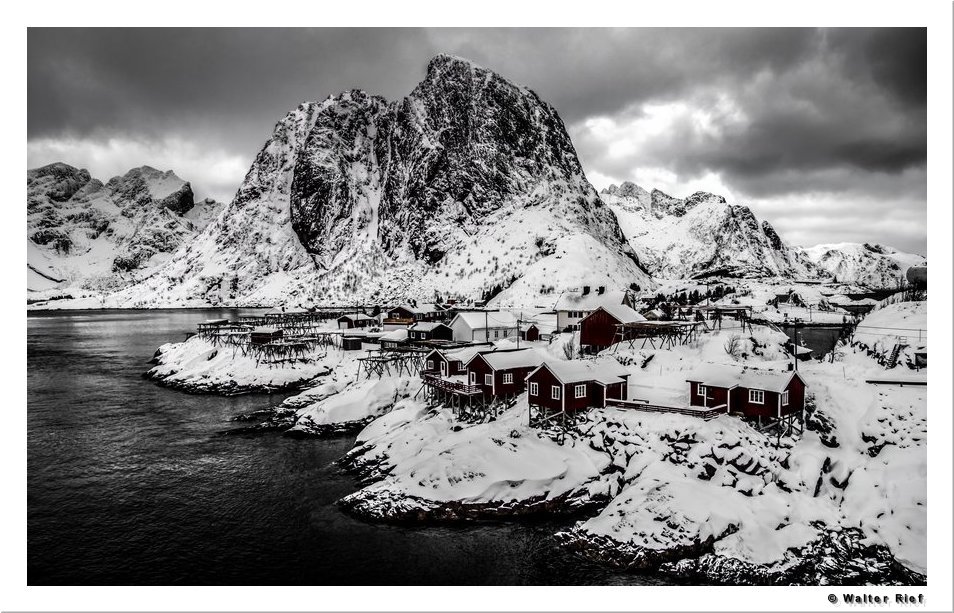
[355,320]
[262,335]
[352,343]
[529,332]
[430,331]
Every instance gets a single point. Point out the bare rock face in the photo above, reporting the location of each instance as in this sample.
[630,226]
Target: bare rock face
[467,187]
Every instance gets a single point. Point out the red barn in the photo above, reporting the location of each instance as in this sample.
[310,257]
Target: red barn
[750,392]
[503,373]
[576,385]
[598,329]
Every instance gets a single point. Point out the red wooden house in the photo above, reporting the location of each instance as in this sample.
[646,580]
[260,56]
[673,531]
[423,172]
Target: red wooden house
[503,373]
[430,331]
[575,385]
[753,393]
[598,329]
[355,320]
[451,363]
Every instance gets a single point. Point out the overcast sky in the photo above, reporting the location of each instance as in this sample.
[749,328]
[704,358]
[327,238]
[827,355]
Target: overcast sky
[822,132]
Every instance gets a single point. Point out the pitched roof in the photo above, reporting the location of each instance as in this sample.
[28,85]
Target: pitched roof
[421,308]
[576,301]
[264,330]
[622,313]
[574,371]
[505,360]
[355,317]
[719,375]
[395,335]
[423,326]
[493,319]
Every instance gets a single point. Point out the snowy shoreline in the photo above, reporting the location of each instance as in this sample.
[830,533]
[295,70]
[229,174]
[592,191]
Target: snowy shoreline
[712,501]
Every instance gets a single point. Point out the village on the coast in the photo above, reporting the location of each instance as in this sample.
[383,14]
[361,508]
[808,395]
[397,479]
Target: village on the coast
[559,362]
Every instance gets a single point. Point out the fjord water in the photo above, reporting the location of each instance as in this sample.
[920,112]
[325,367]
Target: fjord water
[132,483]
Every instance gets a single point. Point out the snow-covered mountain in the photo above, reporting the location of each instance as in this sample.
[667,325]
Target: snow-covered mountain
[702,234]
[869,265]
[82,233]
[467,187]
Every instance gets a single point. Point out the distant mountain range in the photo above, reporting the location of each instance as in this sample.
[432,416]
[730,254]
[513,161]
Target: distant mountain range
[469,187]
[702,235]
[82,233]
[865,264]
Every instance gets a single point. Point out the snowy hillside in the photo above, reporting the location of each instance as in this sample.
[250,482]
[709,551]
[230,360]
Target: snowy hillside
[869,265]
[82,233]
[680,238]
[467,187]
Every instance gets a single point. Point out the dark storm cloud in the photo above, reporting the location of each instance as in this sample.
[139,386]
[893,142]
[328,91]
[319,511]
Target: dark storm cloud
[772,113]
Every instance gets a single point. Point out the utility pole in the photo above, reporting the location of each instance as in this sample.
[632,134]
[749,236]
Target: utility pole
[519,321]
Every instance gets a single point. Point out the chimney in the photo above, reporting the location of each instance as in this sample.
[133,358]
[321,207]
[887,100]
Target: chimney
[600,290]
[586,290]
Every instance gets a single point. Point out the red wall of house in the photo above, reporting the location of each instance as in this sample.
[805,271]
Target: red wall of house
[479,366]
[598,329]
[715,396]
[544,378]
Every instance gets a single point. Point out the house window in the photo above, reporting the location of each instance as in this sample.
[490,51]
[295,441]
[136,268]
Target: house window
[473,378]
[488,379]
[701,389]
[430,365]
[496,333]
[785,398]
[534,389]
[757,396]
[579,391]
[508,377]
[555,392]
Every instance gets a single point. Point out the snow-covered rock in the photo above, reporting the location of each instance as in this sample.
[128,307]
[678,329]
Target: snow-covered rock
[469,186]
[865,264]
[86,235]
[701,235]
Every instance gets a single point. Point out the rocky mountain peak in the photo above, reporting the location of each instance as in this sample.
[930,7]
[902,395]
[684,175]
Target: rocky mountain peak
[469,184]
[57,181]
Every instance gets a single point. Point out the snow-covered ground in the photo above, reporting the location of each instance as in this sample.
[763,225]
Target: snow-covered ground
[716,500]
[197,365]
[696,498]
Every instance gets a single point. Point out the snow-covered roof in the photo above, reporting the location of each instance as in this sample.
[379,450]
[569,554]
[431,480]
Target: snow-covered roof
[465,354]
[395,335]
[264,330]
[492,319]
[573,371]
[577,301]
[421,308]
[621,313]
[720,375]
[216,321]
[356,317]
[505,360]
[422,326]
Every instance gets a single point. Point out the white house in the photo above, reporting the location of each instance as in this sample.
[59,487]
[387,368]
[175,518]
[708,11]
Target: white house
[483,325]
[573,306]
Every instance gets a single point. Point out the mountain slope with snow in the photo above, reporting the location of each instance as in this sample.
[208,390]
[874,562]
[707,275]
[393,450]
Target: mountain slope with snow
[866,264]
[468,187]
[83,233]
[702,234]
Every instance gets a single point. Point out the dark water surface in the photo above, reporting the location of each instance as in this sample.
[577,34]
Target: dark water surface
[130,483]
